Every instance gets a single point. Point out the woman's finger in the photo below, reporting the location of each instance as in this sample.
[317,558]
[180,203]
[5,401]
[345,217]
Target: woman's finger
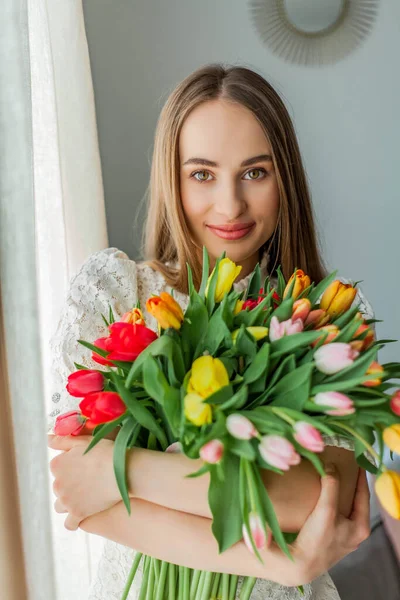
[360,516]
[59,507]
[329,497]
[71,523]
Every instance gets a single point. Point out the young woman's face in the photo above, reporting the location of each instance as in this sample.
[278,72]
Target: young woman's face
[227,181]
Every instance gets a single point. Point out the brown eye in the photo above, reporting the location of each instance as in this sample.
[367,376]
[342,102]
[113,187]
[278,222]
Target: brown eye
[256,171]
[201,180]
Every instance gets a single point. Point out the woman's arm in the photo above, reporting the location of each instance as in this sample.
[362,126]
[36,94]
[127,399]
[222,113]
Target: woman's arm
[159,478]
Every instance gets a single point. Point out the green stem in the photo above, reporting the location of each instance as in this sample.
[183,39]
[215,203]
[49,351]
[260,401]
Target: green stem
[207,586]
[225,586]
[180,582]
[250,487]
[131,575]
[247,587]
[156,567]
[199,591]
[161,581]
[150,587]
[171,580]
[214,590]
[358,437]
[233,587]
[186,583]
[145,579]
[280,413]
[194,583]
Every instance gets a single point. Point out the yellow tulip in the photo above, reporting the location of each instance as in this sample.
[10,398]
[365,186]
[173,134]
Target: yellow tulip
[208,376]
[257,332]
[374,367]
[387,488]
[302,282]
[166,310]
[196,411]
[337,298]
[227,273]
[238,307]
[332,330]
[391,437]
[134,316]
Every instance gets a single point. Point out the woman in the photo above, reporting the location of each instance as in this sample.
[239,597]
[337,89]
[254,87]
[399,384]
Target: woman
[227,174]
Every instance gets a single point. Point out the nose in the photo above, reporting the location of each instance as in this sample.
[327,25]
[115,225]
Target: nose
[229,202]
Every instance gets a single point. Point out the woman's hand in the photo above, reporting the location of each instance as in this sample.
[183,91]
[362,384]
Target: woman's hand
[327,536]
[84,485]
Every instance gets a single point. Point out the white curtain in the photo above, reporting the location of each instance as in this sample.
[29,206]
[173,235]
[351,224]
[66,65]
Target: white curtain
[52,218]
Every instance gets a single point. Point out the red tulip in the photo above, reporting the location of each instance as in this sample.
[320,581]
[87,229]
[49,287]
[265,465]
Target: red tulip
[70,423]
[395,403]
[128,340]
[84,381]
[104,344]
[102,407]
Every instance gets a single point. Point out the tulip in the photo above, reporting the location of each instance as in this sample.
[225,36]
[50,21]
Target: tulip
[391,437]
[341,405]
[373,368]
[103,343]
[134,316]
[289,327]
[301,309]
[333,331]
[308,436]
[250,304]
[337,298]
[395,403]
[238,307]
[102,407]
[387,488]
[275,299]
[334,357]
[69,423]
[317,318]
[212,451]
[368,340]
[84,381]
[240,427]
[166,310]
[227,273]
[278,452]
[196,411]
[208,376]
[127,341]
[257,532]
[258,333]
[174,448]
[302,283]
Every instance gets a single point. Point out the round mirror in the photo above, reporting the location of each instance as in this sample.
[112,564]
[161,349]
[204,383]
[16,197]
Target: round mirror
[309,16]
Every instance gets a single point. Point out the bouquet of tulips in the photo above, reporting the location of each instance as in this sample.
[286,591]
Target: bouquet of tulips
[246,381]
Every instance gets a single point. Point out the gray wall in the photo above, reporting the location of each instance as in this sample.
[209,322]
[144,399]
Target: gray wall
[346,117]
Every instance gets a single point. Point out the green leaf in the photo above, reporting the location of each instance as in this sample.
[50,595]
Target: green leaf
[103,430]
[111,316]
[347,333]
[237,401]
[321,287]
[245,345]
[130,428]
[283,312]
[259,365]
[346,317]
[220,396]
[293,390]
[204,469]
[217,333]
[289,343]
[205,274]
[317,423]
[210,299]
[154,380]
[357,369]
[223,498]
[281,282]
[254,284]
[242,448]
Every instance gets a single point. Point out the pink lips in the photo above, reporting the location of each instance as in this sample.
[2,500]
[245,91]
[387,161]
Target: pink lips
[232,232]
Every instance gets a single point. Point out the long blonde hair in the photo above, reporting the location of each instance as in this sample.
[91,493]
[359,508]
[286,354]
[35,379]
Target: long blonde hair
[166,235]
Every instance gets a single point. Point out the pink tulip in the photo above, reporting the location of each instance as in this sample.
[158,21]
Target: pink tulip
[343,404]
[69,423]
[308,437]
[334,357]
[84,382]
[317,318]
[175,448]
[395,403]
[278,452]
[258,534]
[278,330]
[212,452]
[240,427]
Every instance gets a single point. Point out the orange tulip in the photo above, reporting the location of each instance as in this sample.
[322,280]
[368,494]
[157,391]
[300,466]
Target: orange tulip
[166,310]
[337,298]
[134,316]
[333,331]
[374,368]
[301,309]
[317,317]
[369,339]
[302,282]
[387,488]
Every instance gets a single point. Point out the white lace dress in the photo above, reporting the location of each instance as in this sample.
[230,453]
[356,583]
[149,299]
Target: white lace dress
[109,277]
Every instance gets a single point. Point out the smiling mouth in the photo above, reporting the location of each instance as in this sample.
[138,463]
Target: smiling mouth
[232,232]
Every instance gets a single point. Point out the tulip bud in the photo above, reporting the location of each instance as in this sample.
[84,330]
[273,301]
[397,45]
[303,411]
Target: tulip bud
[289,327]
[334,357]
[333,331]
[104,343]
[134,316]
[196,411]
[238,307]
[174,448]
[338,298]
[212,451]
[341,405]
[308,436]
[373,368]
[301,309]
[240,427]
[84,381]
[317,318]
[395,403]
[166,310]
[302,283]
[369,338]
[278,452]
[69,423]
[208,376]
[258,333]
[391,437]
[387,488]
[227,273]
[102,407]
[257,532]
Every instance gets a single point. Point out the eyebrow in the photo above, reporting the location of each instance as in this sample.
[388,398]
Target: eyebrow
[211,163]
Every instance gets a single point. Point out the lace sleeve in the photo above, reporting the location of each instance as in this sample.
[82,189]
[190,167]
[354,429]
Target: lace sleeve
[107,278]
